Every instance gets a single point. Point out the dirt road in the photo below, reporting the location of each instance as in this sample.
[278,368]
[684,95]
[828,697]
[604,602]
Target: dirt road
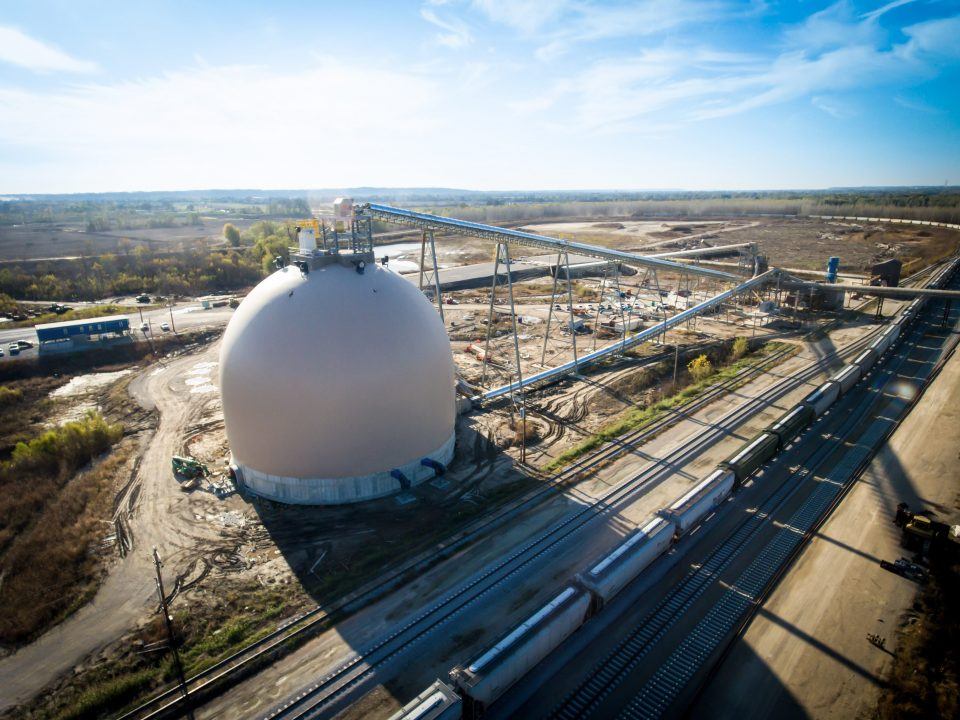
[806,653]
[153,510]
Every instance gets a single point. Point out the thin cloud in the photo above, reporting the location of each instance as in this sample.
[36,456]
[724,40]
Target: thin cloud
[886,8]
[18,48]
[455,33]
[834,51]
[558,25]
[238,119]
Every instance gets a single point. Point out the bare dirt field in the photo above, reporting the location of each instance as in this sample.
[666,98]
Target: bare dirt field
[220,546]
[50,240]
[803,243]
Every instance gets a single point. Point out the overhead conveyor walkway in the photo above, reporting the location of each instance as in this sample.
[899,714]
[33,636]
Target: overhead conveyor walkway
[426,221]
[429,223]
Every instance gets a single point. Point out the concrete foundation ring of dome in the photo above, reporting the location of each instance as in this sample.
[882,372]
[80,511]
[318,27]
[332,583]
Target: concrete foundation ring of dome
[345,490]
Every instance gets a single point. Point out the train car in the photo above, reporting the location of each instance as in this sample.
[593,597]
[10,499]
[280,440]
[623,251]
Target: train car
[865,361]
[880,345]
[846,378]
[514,655]
[893,332]
[791,424]
[751,456]
[823,397]
[688,510]
[631,557]
[437,702]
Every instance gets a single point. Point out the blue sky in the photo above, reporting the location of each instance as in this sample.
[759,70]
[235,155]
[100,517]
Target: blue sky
[481,94]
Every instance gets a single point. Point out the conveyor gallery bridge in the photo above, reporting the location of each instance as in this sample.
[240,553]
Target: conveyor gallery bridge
[429,222]
[737,283]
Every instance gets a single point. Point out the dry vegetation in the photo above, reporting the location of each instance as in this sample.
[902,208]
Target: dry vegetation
[924,680]
[49,520]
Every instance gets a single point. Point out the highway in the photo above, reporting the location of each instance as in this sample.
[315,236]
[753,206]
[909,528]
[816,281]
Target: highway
[645,655]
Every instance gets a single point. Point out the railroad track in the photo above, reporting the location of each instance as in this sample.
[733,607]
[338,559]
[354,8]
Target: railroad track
[661,689]
[170,702]
[330,691]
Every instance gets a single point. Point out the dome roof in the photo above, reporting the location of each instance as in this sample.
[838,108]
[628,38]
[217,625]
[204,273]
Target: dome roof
[335,374]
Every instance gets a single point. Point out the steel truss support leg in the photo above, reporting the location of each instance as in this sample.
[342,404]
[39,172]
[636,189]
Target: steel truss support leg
[426,277]
[493,297]
[503,251]
[596,320]
[522,404]
[620,303]
[573,329]
[553,297]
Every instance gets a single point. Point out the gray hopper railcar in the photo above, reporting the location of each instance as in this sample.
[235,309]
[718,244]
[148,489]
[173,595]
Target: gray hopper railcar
[865,360]
[437,702]
[847,377]
[631,557]
[823,397]
[513,656]
[701,499]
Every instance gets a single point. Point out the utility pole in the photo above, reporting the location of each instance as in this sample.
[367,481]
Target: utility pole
[523,428]
[168,621]
[676,362]
[172,325]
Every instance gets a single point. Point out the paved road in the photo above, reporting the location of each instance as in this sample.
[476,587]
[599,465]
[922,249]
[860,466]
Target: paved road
[186,316]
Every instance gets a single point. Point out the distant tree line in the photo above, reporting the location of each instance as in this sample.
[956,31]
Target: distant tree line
[187,272]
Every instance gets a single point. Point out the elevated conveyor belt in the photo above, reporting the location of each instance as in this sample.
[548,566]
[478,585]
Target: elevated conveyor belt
[628,342]
[518,237]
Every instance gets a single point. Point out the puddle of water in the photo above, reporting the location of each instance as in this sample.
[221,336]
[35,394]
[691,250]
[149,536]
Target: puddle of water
[402,266]
[83,384]
[395,249]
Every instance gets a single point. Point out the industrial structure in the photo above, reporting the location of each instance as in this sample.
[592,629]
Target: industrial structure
[337,377]
[71,335]
[370,409]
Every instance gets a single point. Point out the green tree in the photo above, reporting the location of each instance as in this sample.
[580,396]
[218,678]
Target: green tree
[232,235]
[700,368]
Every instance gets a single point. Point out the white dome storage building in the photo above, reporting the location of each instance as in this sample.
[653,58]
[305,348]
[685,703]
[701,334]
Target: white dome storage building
[338,384]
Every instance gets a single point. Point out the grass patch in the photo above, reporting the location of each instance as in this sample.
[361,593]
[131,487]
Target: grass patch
[208,633]
[639,417]
[108,696]
[9,396]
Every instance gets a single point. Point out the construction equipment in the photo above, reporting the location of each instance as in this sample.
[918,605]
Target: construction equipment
[926,536]
[189,467]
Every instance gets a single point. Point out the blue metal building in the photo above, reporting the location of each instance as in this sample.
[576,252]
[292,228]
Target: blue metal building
[80,334]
